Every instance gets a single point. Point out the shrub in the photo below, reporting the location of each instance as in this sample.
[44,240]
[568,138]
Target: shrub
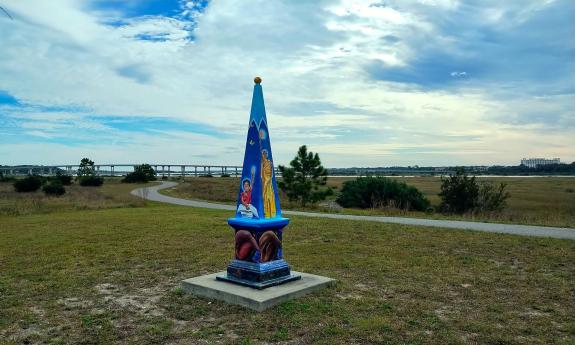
[28,184]
[375,192]
[64,179]
[461,193]
[302,181]
[492,199]
[225,175]
[54,188]
[142,173]
[90,181]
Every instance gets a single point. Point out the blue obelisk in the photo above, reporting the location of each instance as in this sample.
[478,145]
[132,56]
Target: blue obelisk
[258,223]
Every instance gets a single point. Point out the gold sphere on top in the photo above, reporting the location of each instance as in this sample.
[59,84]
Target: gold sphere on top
[257,80]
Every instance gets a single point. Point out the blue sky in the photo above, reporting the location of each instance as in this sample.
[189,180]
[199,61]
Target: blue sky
[364,83]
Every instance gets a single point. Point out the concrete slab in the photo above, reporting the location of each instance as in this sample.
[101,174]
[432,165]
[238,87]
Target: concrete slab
[259,300]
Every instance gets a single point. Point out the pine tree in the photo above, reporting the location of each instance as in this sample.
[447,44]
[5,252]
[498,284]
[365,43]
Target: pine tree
[86,168]
[302,181]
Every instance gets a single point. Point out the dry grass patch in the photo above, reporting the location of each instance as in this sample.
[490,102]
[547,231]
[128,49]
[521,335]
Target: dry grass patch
[111,195]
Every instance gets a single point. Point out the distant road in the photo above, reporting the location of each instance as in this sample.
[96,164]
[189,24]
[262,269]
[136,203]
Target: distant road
[151,193]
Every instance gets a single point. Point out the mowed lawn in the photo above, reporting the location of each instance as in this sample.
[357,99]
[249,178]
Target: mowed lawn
[548,201]
[112,276]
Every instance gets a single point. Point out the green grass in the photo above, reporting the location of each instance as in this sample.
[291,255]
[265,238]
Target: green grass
[546,201]
[112,275]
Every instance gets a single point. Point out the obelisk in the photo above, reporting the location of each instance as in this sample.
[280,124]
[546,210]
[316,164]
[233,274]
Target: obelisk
[258,223]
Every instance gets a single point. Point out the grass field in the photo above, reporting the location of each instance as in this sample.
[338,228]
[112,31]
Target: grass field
[111,275]
[534,200]
[112,194]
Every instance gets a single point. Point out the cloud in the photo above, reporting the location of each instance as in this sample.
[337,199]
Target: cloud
[362,82]
[456,74]
[135,72]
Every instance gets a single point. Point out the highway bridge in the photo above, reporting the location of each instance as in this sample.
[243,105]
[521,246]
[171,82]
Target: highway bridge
[121,169]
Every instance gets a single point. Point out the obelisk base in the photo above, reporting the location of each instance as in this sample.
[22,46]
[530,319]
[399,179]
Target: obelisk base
[208,286]
[258,275]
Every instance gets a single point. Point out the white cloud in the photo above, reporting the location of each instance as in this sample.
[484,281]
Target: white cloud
[61,54]
[457,74]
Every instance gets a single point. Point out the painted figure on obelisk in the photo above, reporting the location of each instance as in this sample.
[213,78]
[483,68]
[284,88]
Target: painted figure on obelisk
[258,223]
[268,188]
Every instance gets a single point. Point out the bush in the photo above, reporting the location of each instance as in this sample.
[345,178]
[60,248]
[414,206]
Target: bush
[54,188]
[90,181]
[461,193]
[375,192]
[64,179]
[28,184]
[141,174]
[225,175]
[492,199]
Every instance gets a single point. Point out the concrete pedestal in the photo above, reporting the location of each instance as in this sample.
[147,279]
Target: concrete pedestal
[259,300]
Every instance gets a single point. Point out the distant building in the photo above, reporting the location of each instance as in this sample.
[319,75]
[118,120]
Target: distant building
[479,168]
[534,162]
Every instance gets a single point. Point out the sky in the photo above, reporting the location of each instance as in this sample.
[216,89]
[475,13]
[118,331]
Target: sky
[363,83]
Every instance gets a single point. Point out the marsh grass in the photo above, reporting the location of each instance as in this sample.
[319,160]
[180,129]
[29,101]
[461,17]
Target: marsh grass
[534,200]
[112,276]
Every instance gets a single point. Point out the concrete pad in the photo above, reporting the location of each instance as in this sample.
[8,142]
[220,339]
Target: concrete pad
[259,300]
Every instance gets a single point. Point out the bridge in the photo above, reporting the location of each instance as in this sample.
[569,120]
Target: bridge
[115,169]
[169,170]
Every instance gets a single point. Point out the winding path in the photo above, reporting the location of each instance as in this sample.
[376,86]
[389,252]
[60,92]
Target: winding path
[151,193]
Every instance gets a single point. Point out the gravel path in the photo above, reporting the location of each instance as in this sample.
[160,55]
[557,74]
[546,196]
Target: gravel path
[151,193]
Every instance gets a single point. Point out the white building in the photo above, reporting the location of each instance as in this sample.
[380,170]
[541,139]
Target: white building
[534,162]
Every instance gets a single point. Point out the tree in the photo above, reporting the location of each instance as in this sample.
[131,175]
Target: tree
[87,174]
[302,181]
[86,168]
[142,173]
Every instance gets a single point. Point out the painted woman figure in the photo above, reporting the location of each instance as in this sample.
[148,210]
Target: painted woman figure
[267,186]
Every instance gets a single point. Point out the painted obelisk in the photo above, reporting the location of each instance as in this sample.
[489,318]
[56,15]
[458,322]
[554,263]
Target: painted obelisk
[258,224]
